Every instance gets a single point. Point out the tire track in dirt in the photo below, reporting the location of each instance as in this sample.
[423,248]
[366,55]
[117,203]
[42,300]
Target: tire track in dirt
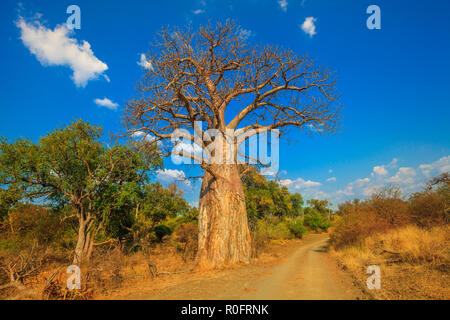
[306,272]
[307,275]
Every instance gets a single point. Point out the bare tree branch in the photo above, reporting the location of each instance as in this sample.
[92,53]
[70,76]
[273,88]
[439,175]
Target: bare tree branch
[205,76]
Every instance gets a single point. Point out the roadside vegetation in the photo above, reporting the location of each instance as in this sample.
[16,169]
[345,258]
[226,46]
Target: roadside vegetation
[408,238]
[276,214]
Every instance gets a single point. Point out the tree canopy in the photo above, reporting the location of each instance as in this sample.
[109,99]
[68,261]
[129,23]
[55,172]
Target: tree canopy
[71,166]
[268,198]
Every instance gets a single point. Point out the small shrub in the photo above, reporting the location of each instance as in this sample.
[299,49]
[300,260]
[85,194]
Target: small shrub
[187,235]
[316,222]
[34,223]
[273,228]
[296,227]
[105,270]
[386,210]
[161,231]
[429,208]
[267,229]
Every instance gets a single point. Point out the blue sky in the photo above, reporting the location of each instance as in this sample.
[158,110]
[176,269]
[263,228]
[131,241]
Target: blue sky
[394,82]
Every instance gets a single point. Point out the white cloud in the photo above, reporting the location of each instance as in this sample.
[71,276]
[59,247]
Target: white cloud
[286,182]
[347,191]
[332,179]
[189,148]
[245,34]
[316,127]
[330,171]
[426,169]
[383,170]
[393,163]
[362,181]
[369,190]
[408,179]
[309,27]
[144,63]
[57,48]
[198,11]
[105,102]
[283,5]
[172,176]
[379,170]
[308,188]
[194,204]
[143,135]
[403,176]
[440,166]
[300,184]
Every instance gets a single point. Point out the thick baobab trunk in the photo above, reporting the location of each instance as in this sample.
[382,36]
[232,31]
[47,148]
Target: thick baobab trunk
[85,242]
[224,237]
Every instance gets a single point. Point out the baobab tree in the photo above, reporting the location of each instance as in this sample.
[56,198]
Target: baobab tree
[213,76]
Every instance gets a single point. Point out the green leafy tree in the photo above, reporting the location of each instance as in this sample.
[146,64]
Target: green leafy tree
[258,198]
[71,166]
[158,209]
[297,204]
[319,206]
[316,222]
[30,223]
[8,199]
[161,203]
[266,198]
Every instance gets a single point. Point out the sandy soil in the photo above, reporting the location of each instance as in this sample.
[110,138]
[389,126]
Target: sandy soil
[294,271]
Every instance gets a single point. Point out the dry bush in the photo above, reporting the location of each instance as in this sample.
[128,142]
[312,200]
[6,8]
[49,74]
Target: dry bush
[168,259]
[415,245]
[103,272]
[105,269]
[20,271]
[259,243]
[409,240]
[111,269]
[56,289]
[414,262]
[430,208]
[34,223]
[358,223]
[385,210]
[187,235]
[387,204]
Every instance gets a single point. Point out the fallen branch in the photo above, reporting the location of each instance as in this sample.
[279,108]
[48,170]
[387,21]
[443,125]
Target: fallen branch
[391,252]
[105,242]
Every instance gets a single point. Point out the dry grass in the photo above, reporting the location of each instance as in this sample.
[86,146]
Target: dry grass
[119,270]
[414,262]
[109,270]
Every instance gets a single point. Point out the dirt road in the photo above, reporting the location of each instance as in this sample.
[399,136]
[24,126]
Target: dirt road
[307,275]
[304,271]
